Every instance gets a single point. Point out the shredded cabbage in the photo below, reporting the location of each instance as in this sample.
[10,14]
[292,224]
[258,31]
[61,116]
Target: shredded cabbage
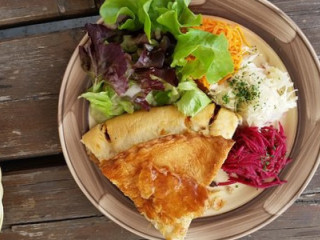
[261,95]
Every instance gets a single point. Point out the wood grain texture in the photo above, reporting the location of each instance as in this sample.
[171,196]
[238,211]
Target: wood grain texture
[306,14]
[43,195]
[99,228]
[47,202]
[17,12]
[31,70]
[91,228]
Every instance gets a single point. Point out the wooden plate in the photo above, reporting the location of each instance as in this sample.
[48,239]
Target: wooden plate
[295,51]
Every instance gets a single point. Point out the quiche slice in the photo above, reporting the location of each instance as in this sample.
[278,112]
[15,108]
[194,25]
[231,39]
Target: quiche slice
[167,178]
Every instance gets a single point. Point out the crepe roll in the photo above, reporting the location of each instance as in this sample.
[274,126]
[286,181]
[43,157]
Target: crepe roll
[225,123]
[120,133]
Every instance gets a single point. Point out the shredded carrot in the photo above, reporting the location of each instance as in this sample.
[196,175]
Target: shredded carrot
[235,39]
[190,58]
[204,82]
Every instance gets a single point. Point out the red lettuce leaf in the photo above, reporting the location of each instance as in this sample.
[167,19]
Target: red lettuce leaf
[106,60]
[167,44]
[85,59]
[142,102]
[98,33]
[148,85]
[154,58]
[167,74]
[116,64]
[146,82]
[132,42]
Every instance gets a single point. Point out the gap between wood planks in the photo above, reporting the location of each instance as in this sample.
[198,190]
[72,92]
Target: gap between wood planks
[40,96]
[54,221]
[17,13]
[32,163]
[100,228]
[48,27]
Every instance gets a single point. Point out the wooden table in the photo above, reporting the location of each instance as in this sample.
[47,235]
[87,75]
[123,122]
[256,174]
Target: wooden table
[41,199]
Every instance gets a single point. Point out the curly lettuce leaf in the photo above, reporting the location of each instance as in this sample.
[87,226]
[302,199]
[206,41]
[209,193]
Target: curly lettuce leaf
[106,103]
[177,16]
[166,15]
[193,100]
[135,13]
[212,57]
[112,10]
[188,98]
[144,16]
[168,96]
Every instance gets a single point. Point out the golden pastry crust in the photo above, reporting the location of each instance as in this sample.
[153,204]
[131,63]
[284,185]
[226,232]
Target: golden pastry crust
[196,155]
[167,178]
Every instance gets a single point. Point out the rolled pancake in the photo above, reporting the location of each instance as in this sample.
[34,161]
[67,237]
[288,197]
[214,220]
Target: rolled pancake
[225,123]
[120,133]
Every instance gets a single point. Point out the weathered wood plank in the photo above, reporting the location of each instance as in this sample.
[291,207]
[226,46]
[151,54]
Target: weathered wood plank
[48,200]
[97,228]
[298,222]
[33,67]
[306,14]
[29,128]
[17,12]
[43,195]
[297,6]
[31,70]
[94,228]
[311,196]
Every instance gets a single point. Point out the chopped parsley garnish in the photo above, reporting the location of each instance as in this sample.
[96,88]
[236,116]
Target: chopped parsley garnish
[243,92]
[226,99]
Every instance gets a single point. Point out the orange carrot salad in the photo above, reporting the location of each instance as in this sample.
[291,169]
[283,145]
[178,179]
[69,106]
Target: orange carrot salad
[235,39]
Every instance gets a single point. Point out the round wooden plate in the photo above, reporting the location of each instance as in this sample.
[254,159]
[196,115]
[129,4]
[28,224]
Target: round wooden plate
[295,51]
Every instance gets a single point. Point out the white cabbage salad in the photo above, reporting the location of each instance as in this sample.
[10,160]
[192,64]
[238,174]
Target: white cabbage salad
[260,93]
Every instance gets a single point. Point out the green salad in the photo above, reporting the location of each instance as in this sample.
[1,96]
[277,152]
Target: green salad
[140,58]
